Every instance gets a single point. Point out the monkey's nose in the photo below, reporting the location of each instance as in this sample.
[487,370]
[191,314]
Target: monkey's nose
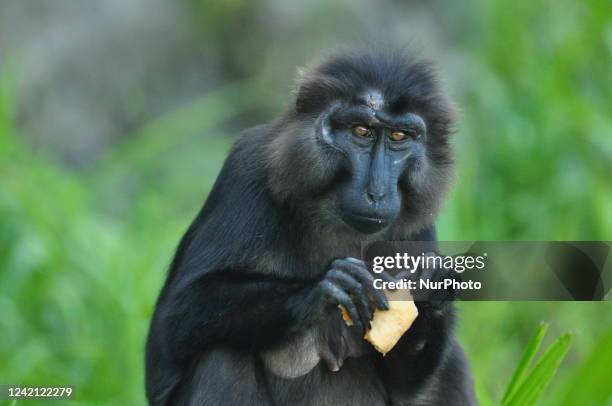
[375,195]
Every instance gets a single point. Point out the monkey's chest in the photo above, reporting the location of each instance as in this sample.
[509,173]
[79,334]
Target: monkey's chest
[356,383]
[330,365]
[327,345]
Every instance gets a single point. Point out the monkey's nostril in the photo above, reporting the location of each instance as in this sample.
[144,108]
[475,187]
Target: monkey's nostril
[375,196]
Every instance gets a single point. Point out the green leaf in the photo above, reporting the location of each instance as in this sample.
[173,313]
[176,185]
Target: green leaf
[538,379]
[590,383]
[528,355]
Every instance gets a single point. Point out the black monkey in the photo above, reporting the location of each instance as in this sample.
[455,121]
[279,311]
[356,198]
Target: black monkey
[248,314]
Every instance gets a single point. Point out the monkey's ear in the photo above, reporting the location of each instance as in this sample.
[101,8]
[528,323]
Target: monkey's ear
[300,73]
[312,90]
[301,76]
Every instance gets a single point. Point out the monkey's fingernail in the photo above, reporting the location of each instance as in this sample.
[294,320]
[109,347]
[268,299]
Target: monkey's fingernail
[381,300]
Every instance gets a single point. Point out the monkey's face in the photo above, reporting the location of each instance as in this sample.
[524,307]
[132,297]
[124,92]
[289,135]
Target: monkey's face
[376,148]
[379,157]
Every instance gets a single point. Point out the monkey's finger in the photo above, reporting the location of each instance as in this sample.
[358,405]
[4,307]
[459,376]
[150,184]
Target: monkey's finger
[348,283]
[367,280]
[376,295]
[335,295]
[356,261]
[386,276]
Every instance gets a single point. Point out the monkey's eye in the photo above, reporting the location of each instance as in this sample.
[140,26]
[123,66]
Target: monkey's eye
[403,135]
[362,131]
[398,136]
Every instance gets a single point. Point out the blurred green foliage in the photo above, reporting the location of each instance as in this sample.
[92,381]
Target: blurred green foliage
[83,254]
[535,145]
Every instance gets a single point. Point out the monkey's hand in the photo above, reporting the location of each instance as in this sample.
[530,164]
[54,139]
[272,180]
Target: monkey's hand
[347,283]
[420,352]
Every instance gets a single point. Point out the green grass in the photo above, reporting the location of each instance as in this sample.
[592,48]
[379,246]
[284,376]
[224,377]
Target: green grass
[521,371]
[528,384]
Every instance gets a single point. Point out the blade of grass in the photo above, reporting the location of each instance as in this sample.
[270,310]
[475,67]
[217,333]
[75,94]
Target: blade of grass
[590,383]
[528,355]
[537,380]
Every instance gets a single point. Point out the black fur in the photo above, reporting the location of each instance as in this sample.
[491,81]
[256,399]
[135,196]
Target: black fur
[243,291]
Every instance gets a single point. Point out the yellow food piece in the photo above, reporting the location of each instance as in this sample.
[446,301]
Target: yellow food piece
[345,316]
[388,326]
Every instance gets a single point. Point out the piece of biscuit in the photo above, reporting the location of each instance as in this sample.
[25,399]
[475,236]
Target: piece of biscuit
[388,326]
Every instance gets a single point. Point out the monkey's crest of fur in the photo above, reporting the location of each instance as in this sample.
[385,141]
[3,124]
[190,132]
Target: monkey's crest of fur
[405,82]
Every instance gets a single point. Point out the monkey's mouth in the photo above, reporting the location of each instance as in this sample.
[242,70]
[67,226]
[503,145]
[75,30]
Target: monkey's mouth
[366,224]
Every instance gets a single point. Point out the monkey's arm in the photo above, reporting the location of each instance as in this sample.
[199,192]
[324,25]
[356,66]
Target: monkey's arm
[233,307]
[421,350]
[428,364]
[254,311]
